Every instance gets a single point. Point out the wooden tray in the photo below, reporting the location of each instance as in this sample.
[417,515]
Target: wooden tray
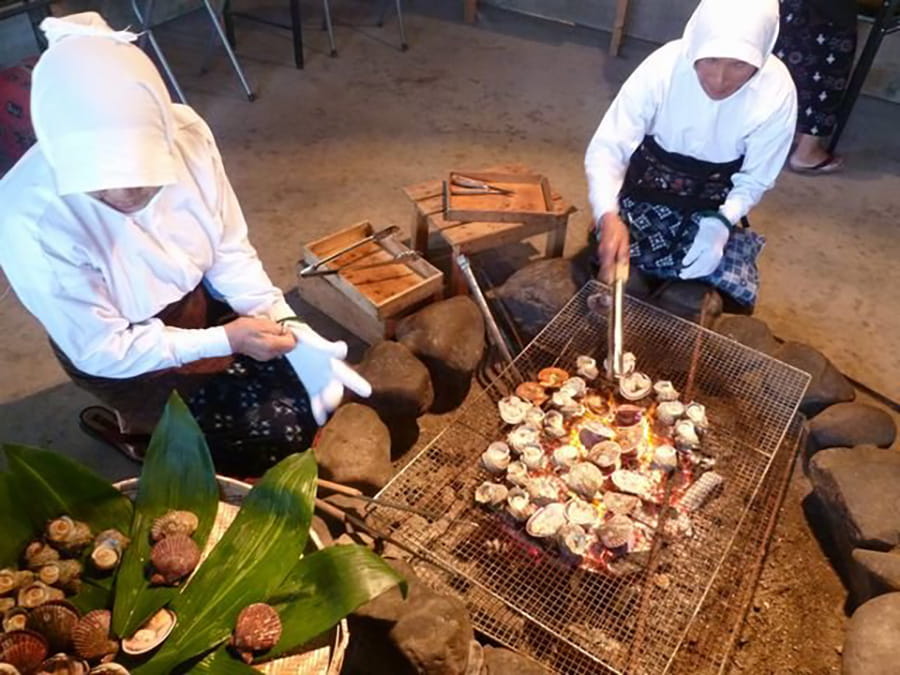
[530,203]
[381,292]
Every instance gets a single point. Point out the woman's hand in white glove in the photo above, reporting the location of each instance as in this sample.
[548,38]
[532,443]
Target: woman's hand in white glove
[705,254]
[319,365]
[259,338]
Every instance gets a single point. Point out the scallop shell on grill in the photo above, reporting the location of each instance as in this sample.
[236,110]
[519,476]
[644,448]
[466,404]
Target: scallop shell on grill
[533,457]
[665,391]
[37,593]
[522,436]
[173,558]
[533,392]
[39,553]
[632,482]
[628,415]
[574,540]
[572,408]
[585,479]
[575,387]
[23,649]
[606,455]
[491,494]
[596,403]
[15,618]
[629,363]
[63,664]
[517,473]
[152,634]
[546,521]
[593,432]
[586,366]
[544,489]
[579,512]
[686,435]
[565,456]
[696,413]
[669,412]
[55,621]
[616,532]
[552,378]
[620,504]
[554,424]
[496,458]
[257,629]
[635,386]
[519,505]
[665,458]
[91,637]
[513,409]
[534,417]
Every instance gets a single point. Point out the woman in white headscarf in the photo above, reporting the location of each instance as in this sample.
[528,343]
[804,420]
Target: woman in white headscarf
[691,142]
[121,234]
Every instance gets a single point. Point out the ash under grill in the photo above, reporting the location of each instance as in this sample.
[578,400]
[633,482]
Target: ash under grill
[573,620]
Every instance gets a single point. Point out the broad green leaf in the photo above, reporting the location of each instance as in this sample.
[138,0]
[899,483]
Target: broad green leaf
[323,588]
[16,525]
[177,474]
[247,565]
[221,662]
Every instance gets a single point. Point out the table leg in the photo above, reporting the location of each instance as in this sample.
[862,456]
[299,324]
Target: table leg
[418,231]
[556,241]
[470,10]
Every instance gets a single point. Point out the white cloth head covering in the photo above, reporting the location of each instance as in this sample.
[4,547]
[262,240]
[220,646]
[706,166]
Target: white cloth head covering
[745,30]
[101,112]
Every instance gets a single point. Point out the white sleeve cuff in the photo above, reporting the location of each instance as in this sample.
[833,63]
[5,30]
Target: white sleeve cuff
[198,343]
[733,210]
[280,310]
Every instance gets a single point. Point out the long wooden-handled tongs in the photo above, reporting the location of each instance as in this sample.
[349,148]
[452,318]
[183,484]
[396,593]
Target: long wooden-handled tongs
[615,367]
[358,494]
[313,270]
[463,185]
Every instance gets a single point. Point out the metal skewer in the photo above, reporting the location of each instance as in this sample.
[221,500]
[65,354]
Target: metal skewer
[615,337]
[353,492]
[375,236]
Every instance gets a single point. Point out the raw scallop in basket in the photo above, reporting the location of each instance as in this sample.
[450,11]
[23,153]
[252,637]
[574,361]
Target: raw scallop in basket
[588,467]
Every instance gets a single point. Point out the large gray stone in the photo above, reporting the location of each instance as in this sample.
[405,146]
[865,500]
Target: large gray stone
[686,298]
[391,605]
[872,640]
[749,331]
[874,573]
[434,635]
[860,489]
[401,385]
[499,661]
[535,294]
[827,387]
[851,424]
[354,448]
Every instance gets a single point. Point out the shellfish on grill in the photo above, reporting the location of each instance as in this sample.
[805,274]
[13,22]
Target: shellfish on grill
[69,535]
[109,546]
[91,637]
[605,455]
[491,494]
[596,403]
[39,553]
[37,593]
[513,409]
[665,458]
[571,408]
[546,521]
[173,558]
[665,391]
[544,489]
[574,387]
[668,412]
[586,367]
[554,424]
[620,504]
[110,669]
[23,649]
[616,532]
[533,392]
[63,664]
[593,432]
[565,456]
[574,540]
[628,415]
[585,479]
[15,618]
[496,458]
[55,621]
[551,378]
[686,435]
[519,505]
[534,417]
[696,413]
[257,630]
[635,386]
[632,482]
[11,579]
[579,512]
[517,473]
[629,363]
[522,436]
[533,457]
[152,634]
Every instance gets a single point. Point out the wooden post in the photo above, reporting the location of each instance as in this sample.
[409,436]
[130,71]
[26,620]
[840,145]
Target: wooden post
[618,30]
[470,11]
[418,231]
[556,240]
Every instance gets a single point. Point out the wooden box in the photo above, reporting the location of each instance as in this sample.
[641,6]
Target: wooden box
[530,201]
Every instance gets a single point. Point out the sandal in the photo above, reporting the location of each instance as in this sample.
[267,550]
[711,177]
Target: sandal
[831,164]
[101,423]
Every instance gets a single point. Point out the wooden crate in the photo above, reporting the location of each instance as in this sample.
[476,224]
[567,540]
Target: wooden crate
[530,201]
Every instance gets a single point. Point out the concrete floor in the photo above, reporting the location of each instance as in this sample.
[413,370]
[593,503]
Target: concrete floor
[332,144]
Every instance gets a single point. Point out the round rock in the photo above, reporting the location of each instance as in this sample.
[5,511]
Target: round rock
[748,331]
[499,661]
[851,424]
[450,331]
[881,569]
[434,635]
[871,646]
[827,387]
[354,448]
[401,384]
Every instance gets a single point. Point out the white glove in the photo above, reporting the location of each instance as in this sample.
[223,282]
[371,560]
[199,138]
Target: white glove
[705,254]
[319,365]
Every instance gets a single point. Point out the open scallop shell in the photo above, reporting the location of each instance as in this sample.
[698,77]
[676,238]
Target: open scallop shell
[152,634]
[517,473]
[586,367]
[533,457]
[546,521]
[628,415]
[616,532]
[585,479]
[491,494]
[63,664]
[575,387]
[668,412]
[629,363]
[632,482]
[519,505]
[574,540]
[635,386]
[620,504]
[665,391]
[606,455]
[533,392]
[554,424]
[522,436]
[552,378]
[534,417]
[580,512]
[665,458]
[686,435]
[565,456]
[596,403]
[544,489]
[496,458]
[696,413]
[593,432]
[513,409]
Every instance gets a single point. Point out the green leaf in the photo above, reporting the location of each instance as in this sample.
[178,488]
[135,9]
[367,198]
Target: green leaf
[323,588]
[247,565]
[221,662]
[17,527]
[177,474]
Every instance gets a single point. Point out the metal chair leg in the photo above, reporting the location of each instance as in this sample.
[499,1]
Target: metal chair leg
[144,19]
[231,55]
[399,6]
[327,12]
[297,33]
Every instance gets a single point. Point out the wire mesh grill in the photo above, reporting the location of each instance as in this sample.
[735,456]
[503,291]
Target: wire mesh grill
[526,596]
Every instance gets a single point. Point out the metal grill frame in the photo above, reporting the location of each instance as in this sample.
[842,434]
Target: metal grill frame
[576,621]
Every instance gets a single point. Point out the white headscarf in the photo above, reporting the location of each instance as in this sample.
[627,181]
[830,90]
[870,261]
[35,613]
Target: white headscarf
[101,112]
[745,30]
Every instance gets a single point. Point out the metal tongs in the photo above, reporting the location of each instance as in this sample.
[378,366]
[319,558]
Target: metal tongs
[615,367]
[401,256]
[463,185]
[313,270]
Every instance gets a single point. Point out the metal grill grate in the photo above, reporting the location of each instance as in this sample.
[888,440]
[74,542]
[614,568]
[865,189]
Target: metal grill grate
[527,597]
